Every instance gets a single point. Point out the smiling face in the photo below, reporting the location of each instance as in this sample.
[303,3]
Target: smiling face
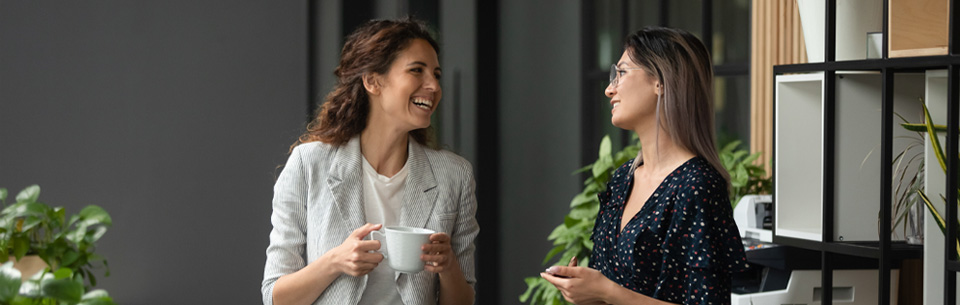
[634,97]
[409,92]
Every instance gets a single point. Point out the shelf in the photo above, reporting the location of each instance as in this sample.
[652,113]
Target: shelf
[870,250]
[798,211]
[800,135]
[899,64]
[953,266]
[855,18]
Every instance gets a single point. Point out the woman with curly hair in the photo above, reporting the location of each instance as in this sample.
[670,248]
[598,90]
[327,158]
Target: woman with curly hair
[366,161]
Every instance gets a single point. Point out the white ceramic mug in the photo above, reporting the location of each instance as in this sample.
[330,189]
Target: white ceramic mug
[401,247]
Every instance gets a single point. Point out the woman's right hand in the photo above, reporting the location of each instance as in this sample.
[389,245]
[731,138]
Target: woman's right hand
[353,256]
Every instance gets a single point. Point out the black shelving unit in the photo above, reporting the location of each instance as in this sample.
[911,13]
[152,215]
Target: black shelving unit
[884,251]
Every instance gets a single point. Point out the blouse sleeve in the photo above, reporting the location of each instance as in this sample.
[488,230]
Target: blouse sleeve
[706,238]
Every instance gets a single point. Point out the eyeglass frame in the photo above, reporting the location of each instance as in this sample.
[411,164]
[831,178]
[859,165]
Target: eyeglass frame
[615,74]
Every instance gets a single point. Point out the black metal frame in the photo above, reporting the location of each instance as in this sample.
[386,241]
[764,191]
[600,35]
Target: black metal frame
[488,139]
[886,252]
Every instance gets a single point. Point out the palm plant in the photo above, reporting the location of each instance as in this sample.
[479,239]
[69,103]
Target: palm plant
[932,129]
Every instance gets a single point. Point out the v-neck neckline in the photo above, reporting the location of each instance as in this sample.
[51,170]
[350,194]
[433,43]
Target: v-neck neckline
[646,203]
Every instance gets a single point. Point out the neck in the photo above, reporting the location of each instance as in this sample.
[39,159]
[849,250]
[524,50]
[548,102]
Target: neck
[384,148]
[659,151]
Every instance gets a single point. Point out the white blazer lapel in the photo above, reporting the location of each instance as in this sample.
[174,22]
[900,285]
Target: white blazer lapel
[344,182]
[420,190]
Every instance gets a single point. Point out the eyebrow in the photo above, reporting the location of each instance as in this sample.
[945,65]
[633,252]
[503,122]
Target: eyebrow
[420,63]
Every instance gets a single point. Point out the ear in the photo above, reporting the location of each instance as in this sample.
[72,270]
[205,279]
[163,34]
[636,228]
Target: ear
[659,87]
[371,82]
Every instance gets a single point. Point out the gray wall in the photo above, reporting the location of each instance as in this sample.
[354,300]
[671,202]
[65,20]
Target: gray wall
[172,115]
[539,110]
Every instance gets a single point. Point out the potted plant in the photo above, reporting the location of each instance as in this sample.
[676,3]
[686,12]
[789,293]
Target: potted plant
[572,237]
[60,288]
[66,246]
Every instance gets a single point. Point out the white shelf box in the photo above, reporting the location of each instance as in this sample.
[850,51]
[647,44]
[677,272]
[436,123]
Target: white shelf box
[857,159]
[798,123]
[799,152]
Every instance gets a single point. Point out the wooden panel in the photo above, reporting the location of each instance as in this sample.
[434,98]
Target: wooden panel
[918,27]
[776,39]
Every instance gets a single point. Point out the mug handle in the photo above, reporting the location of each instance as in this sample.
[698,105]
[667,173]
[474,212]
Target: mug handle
[383,242]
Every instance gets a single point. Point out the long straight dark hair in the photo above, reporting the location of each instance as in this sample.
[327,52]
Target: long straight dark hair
[682,64]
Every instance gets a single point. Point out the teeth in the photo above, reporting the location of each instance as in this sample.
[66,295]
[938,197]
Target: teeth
[616,104]
[423,103]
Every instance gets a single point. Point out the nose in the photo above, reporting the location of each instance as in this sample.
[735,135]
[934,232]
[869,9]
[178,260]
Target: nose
[610,91]
[432,83]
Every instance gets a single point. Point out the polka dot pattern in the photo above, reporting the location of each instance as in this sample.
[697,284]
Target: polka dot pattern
[681,247]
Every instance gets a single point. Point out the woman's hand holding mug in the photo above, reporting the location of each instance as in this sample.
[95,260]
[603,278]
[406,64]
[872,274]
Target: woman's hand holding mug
[438,254]
[354,256]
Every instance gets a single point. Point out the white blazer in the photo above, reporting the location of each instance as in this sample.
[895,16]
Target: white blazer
[318,202]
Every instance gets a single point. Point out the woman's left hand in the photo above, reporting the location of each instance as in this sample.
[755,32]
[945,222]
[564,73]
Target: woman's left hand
[438,256]
[579,285]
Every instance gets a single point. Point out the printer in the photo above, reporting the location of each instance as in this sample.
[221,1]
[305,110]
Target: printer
[785,275]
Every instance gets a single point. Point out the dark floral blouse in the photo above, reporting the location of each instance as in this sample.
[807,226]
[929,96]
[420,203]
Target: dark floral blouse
[681,247]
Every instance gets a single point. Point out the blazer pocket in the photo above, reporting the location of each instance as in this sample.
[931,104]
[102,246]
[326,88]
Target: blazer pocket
[443,221]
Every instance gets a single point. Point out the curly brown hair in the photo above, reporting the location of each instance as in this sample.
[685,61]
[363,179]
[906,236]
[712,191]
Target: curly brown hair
[371,48]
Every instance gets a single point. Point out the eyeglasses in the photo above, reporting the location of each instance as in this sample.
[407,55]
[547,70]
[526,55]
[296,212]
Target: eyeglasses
[616,72]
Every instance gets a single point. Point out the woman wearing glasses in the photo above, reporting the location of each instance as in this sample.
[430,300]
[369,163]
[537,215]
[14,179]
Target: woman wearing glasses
[364,163]
[665,232]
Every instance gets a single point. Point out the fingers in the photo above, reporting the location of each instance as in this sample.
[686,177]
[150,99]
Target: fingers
[435,248]
[564,271]
[362,231]
[556,281]
[440,237]
[573,262]
[366,245]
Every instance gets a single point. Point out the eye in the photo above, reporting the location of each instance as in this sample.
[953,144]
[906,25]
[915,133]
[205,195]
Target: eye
[621,72]
[437,75]
[416,70]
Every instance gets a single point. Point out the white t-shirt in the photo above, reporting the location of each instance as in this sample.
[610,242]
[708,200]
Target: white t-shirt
[382,197]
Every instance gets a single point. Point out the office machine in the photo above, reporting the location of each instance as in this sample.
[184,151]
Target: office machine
[784,275]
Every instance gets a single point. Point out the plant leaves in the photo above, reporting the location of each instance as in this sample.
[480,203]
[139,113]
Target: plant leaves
[66,290]
[605,146]
[94,215]
[581,199]
[9,282]
[552,253]
[29,194]
[3,194]
[20,246]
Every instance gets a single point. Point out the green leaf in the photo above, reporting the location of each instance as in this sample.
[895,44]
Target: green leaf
[531,285]
[29,194]
[63,273]
[923,127]
[95,235]
[552,253]
[20,246]
[605,146]
[94,215]
[66,290]
[9,282]
[3,194]
[585,212]
[24,209]
[69,257]
[96,297]
[581,199]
